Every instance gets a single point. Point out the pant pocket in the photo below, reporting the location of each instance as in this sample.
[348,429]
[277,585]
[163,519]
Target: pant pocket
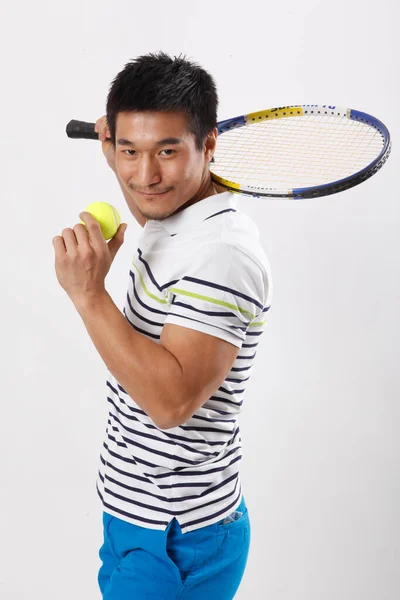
[235,519]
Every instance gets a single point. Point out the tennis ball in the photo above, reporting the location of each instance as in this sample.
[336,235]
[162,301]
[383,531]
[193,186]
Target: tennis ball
[108,217]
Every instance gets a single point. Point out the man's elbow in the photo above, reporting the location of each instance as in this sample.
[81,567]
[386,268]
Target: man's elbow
[174,419]
[169,423]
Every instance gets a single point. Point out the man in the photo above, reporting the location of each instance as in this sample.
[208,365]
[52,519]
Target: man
[175,520]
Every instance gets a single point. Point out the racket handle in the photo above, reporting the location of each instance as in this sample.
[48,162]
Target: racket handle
[81,129]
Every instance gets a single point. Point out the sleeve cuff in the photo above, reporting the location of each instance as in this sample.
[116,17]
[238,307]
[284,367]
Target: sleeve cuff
[205,328]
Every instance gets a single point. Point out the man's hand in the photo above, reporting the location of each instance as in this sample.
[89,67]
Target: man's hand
[101,127]
[83,258]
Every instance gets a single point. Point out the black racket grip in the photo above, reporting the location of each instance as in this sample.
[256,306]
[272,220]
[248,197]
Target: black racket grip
[81,129]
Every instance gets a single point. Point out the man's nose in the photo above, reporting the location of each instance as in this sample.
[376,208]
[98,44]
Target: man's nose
[148,172]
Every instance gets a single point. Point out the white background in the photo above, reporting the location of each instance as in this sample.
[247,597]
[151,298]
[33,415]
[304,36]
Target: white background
[321,413]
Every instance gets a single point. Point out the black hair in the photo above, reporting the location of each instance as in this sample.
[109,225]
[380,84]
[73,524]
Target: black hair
[158,82]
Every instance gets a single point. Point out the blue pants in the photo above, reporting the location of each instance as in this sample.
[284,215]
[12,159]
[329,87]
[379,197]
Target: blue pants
[148,564]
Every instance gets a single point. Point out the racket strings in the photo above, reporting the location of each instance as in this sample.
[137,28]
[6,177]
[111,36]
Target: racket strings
[296,151]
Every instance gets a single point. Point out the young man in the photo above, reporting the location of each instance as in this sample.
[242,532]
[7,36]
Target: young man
[175,520]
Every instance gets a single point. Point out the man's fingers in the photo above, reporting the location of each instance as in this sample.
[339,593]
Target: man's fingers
[101,128]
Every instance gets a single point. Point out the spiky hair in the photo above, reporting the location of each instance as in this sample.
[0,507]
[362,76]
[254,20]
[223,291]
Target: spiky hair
[158,82]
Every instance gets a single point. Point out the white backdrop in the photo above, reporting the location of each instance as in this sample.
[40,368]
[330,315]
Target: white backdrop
[321,411]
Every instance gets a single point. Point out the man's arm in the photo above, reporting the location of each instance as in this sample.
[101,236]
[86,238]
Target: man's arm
[149,373]
[171,380]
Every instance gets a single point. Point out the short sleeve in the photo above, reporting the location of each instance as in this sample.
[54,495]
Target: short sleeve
[223,294]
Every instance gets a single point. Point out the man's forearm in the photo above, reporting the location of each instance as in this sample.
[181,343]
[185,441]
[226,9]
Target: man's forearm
[147,371]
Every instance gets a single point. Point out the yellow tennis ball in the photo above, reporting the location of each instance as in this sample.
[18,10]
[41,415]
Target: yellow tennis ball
[108,217]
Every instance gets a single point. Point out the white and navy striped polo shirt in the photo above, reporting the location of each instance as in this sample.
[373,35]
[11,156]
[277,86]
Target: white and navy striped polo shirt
[205,269]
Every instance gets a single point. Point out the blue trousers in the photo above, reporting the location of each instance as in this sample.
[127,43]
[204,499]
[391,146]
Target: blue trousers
[147,564]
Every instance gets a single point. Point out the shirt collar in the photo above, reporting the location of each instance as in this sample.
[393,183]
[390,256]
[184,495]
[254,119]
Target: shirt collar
[199,211]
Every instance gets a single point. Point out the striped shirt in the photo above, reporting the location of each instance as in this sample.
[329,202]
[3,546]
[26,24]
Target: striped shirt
[202,268]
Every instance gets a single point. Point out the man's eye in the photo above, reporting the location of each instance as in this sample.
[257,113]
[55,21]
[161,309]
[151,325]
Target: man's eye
[169,150]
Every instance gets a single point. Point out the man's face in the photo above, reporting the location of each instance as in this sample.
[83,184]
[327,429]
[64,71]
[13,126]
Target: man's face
[158,163]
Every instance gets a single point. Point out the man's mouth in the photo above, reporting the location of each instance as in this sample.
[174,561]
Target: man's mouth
[152,193]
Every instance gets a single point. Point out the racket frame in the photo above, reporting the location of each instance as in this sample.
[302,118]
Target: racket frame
[299,110]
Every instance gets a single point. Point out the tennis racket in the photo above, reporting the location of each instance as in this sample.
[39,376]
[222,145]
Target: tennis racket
[297,152]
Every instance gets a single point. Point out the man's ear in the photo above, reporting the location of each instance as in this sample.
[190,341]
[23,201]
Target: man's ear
[210,144]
